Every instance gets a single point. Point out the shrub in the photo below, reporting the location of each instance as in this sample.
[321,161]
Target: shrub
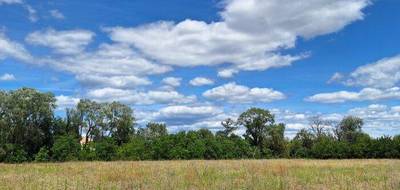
[14,154]
[106,149]
[42,155]
[65,148]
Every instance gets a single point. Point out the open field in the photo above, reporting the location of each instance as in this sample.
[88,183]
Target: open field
[240,174]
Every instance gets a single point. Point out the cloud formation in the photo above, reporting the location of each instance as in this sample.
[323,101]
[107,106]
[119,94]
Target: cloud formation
[7,77]
[134,97]
[201,81]
[384,73]
[13,49]
[56,14]
[63,42]
[248,35]
[363,95]
[233,93]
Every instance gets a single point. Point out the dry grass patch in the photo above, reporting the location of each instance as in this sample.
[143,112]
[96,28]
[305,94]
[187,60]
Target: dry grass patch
[235,174]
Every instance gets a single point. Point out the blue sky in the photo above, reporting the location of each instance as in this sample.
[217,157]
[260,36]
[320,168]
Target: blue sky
[194,63]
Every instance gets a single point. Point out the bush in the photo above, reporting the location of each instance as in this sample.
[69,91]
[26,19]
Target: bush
[87,153]
[65,148]
[14,154]
[106,149]
[3,154]
[135,149]
[42,155]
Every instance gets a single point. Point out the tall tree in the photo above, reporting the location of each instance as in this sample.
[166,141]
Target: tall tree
[256,121]
[91,119]
[120,122]
[349,128]
[26,117]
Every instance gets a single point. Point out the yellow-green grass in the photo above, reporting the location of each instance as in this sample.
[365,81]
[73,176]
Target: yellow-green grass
[223,174]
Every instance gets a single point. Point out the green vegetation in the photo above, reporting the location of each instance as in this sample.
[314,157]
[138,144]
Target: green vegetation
[29,131]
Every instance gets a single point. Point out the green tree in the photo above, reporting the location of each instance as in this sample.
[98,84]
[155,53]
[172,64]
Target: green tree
[256,121]
[348,129]
[26,119]
[120,122]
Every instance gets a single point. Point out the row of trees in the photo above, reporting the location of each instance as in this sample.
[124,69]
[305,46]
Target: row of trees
[29,131]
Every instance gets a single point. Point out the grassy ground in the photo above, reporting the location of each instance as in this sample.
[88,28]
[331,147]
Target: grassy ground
[241,174]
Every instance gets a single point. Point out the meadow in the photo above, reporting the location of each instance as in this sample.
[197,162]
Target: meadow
[198,174]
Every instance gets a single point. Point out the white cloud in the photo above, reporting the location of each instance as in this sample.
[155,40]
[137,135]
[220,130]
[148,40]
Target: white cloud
[384,73]
[188,111]
[227,73]
[233,93]
[63,42]
[139,98]
[363,95]
[201,81]
[111,65]
[128,81]
[336,78]
[10,2]
[172,81]
[249,34]
[64,102]
[32,13]
[12,49]
[7,77]
[56,14]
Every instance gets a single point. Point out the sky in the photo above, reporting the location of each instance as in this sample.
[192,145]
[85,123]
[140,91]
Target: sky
[192,64]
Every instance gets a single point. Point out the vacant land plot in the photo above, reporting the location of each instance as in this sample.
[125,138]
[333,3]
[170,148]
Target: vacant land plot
[240,174]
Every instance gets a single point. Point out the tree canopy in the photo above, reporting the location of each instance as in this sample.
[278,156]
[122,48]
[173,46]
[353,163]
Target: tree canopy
[30,131]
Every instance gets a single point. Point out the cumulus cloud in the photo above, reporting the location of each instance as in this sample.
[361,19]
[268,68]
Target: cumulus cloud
[363,95]
[7,77]
[233,93]
[63,42]
[64,102]
[172,81]
[128,81]
[138,97]
[248,35]
[12,49]
[384,73]
[111,65]
[201,81]
[56,14]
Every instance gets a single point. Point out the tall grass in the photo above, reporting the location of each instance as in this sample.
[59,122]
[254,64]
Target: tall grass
[239,174]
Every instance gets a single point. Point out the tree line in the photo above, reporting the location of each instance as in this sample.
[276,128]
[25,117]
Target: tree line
[30,131]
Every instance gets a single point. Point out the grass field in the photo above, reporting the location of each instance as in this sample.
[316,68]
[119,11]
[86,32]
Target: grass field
[241,174]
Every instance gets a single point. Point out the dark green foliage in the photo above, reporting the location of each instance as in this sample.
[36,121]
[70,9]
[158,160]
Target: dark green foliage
[14,154]
[26,118]
[106,149]
[42,155]
[65,148]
